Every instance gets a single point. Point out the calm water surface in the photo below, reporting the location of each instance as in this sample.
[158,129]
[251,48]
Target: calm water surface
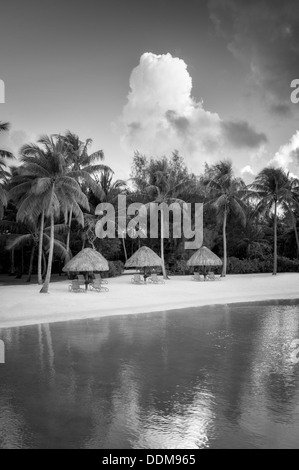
[212,377]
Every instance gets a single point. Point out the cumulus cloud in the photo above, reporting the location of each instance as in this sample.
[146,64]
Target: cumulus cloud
[247,174]
[247,169]
[265,36]
[288,155]
[161,115]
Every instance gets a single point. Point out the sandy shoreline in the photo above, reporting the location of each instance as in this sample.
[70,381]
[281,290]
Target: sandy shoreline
[23,305]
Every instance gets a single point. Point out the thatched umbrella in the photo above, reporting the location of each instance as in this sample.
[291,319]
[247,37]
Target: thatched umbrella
[88,260]
[144,258]
[204,257]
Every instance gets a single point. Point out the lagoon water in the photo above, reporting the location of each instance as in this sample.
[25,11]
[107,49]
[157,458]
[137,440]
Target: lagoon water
[211,377]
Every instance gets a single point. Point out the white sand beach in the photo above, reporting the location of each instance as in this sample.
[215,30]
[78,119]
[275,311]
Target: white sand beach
[23,305]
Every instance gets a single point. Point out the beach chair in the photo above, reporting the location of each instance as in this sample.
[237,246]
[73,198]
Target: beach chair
[136,279]
[97,286]
[75,286]
[81,279]
[211,277]
[98,276]
[155,280]
[197,277]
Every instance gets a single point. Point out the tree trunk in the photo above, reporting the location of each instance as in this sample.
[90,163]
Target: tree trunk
[224,245]
[69,232]
[12,263]
[162,245]
[125,250]
[45,288]
[44,266]
[31,264]
[296,232]
[275,240]
[40,249]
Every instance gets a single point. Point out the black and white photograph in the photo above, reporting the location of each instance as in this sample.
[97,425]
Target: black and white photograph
[149,227]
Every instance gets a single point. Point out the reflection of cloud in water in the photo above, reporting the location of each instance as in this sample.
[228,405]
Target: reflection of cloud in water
[172,425]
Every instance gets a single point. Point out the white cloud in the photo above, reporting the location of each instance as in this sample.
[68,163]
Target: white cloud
[288,154]
[12,141]
[247,169]
[161,115]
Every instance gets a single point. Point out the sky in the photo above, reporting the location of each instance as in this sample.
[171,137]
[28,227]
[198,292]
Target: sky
[209,78]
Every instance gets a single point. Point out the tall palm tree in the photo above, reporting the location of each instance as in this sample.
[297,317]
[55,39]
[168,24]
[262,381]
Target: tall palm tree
[272,188]
[163,187]
[290,203]
[83,167]
[225,194]
[110,190]
[30,207]
[4,126]
[27,234]
[52,185]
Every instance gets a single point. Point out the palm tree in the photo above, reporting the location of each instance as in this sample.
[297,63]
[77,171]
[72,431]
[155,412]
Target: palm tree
[52,186]
[4,126]
[27,234]
[163,187]
[82,167]
[225,195]
[273,188]
[30,207]
[109,193]
[290,203]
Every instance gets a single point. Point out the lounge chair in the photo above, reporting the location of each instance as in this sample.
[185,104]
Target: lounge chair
[197,277]
[97,286]
[155,280]
[136,279]
[75,286]
[211,277]
[98,276]
[81,279]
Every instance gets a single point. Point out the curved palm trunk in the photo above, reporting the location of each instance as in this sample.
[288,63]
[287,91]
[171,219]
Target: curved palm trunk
[44,266]
[162,245]
[31,264]
[224,245]
[275,240]
[45,288]
[69,232]
[124,247]
[40,249]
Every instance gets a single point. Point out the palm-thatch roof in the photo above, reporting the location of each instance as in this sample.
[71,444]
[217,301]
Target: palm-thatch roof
[204,257]
[87,260]
[142,258]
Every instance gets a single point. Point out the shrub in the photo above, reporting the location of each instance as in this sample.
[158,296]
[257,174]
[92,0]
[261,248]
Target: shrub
[179,267]
[116,268]
[247,266]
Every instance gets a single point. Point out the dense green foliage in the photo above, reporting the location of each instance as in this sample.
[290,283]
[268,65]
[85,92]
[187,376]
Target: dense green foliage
[47,210]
